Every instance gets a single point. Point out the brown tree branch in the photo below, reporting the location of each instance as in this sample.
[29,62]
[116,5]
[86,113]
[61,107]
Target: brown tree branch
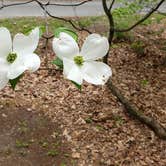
[159,130]
[111,5]
[111,25]
[143,19]
[42,5]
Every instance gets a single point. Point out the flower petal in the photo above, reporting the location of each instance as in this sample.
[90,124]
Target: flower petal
[94,47]
[3,75]
[26,44]
[5,42]
[65,46]
[31,62]
[15,71]
[24,62]
[72,71]
[67,66]
[96,72]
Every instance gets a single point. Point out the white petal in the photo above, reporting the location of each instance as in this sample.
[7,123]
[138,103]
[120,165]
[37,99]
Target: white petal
[95,47]
[68,64]
[26,44]
[65,46]
[16,68]
[15,71]
[96,72]
[5,42]
[31,62]
[23,62]
[3,80]
[3,75]
[74,73]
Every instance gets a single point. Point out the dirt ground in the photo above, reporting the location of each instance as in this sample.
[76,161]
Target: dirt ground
[48,122]
[29,138]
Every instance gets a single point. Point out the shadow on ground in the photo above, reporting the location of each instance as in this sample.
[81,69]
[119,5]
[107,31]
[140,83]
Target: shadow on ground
[29,139]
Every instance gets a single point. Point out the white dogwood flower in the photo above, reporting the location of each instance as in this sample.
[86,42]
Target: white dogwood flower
[82,65]
[18,56]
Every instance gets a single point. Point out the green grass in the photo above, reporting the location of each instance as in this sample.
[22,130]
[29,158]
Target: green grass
[138,47]
[21,144]
[52,153]
[23,126]
[24,24]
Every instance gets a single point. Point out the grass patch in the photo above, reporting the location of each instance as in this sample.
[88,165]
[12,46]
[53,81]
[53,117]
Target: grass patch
[21,144]
[23,126]
[52,153]
[88,120]
[138,47]
[144,82]
[24,24]
[118,120]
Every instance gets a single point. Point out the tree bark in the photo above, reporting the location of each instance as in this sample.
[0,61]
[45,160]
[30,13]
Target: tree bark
[159,130]
[132,110]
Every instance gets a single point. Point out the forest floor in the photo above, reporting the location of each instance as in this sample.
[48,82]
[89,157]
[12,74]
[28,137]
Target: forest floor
[47,121]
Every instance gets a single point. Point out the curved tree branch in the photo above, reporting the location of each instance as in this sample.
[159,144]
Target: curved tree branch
[61,18]
[111,24]
[42,5]
[159,130]
[134,112]
[143,19]
[112,4]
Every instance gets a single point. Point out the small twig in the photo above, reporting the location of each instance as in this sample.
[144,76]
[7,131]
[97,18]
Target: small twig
[49,14]
[111,6]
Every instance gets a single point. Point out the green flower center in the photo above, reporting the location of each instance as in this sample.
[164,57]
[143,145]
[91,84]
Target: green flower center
[79,60]
[11,57]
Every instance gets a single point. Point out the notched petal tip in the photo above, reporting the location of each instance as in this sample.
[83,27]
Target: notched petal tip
[95,47]
[96,73]
[35,31]
[65,46]
[23,44]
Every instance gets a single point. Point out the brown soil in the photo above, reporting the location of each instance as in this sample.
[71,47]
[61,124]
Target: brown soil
[93,128]
[29,139]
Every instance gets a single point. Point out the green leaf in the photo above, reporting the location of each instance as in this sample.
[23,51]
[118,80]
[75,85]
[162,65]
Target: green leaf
[66,30]
[28,30]
[14,82]
[58,62]
[77,85]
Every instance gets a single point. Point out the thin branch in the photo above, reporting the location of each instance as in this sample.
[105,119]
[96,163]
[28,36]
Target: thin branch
[111,5]
[15,4]
[49,14]
[76,4]
[159,130]
[63,19]
[47,4]
[143,19]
